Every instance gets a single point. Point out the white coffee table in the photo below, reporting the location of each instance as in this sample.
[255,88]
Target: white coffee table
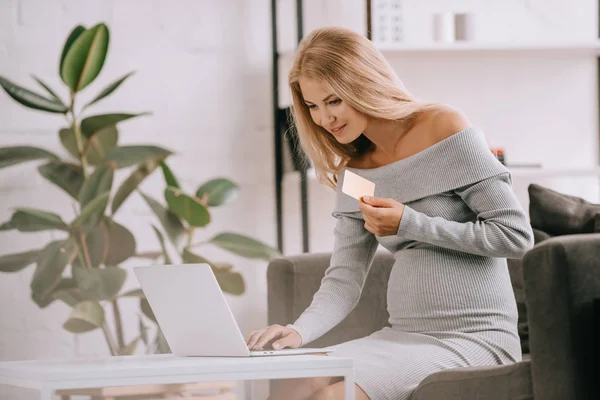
[50,375]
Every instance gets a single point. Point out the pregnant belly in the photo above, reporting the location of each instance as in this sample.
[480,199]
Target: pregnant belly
[439,290]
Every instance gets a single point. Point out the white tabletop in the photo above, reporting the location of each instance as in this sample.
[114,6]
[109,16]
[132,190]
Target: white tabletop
[160,364]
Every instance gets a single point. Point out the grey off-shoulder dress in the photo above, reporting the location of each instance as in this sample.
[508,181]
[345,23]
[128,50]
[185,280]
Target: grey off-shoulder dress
[449,295]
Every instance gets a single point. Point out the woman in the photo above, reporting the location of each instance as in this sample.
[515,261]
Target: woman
[444,207]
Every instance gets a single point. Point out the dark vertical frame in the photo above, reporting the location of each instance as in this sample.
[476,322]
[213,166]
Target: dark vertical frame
[278,147]
[369,22]
[279,129]
[303,172]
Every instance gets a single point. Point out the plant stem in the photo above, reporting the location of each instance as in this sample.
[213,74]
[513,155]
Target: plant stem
[86,253]
[190,236]
[110,340]
[78,138]
[118,323]
[80,256]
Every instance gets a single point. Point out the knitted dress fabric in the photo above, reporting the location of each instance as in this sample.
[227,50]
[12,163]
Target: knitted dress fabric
[449,297]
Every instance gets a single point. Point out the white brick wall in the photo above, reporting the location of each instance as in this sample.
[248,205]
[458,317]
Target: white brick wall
[203,69]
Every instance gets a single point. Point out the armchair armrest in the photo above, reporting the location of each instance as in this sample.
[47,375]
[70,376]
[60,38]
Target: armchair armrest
[562,280]
[489,382]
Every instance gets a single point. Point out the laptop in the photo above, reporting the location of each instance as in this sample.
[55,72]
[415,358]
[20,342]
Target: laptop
[193,314]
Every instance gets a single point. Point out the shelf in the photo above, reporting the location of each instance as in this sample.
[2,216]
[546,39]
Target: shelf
[591,47]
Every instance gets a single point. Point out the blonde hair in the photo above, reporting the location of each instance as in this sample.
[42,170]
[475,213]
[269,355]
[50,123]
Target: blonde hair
[349,65]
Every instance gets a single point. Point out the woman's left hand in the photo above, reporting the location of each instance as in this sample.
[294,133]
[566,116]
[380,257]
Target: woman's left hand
[382,215]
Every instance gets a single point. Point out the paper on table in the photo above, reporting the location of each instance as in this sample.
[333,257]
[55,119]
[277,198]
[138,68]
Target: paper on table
[357,186]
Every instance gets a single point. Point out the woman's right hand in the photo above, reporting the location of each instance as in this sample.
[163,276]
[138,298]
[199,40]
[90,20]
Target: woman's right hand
[279,337]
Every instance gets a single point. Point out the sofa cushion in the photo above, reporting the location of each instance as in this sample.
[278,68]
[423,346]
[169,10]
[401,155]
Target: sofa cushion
[560,214]
[498,382]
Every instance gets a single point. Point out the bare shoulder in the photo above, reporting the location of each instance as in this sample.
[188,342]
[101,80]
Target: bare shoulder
[445,121]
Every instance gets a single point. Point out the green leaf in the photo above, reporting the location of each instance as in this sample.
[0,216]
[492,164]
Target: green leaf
[32,220]
[70,296]
[230,282]
[49,90]
[64,285]
[51,263]
[17,261]
[92,212]
[187,207]
[95,245]
[75,33]
[109,243]
[99,283]
[95,123]
[86,316]
[67,176]
[99,144]
[170,179]
[146,309]
[17,154]
[161,240]
[98,183]
[169,221]
[122,244]
[109,89]
[95,147]
[30,99]
[218,192]
[67,138]
[191,258]
[162,347]
[244,246]
[132,182]
[143,330]
[126,156]
[85,57]
[100,136]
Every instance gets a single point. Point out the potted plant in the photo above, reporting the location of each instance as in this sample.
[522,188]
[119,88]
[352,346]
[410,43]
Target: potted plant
[84,267]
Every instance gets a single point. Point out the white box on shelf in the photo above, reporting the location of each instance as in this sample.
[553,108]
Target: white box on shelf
[443,27]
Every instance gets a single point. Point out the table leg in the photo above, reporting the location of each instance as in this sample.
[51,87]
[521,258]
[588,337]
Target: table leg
[248,389]
[46,394]
[349,386]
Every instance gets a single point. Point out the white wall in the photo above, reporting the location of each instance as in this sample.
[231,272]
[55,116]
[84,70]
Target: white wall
[204,71]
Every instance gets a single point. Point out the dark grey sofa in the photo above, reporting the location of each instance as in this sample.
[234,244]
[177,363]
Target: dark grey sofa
[559,281]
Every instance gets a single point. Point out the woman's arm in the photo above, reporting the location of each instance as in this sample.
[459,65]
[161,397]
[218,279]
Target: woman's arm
[501,228]
[352,257]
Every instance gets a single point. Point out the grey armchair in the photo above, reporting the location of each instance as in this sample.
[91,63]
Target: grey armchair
[561,278]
